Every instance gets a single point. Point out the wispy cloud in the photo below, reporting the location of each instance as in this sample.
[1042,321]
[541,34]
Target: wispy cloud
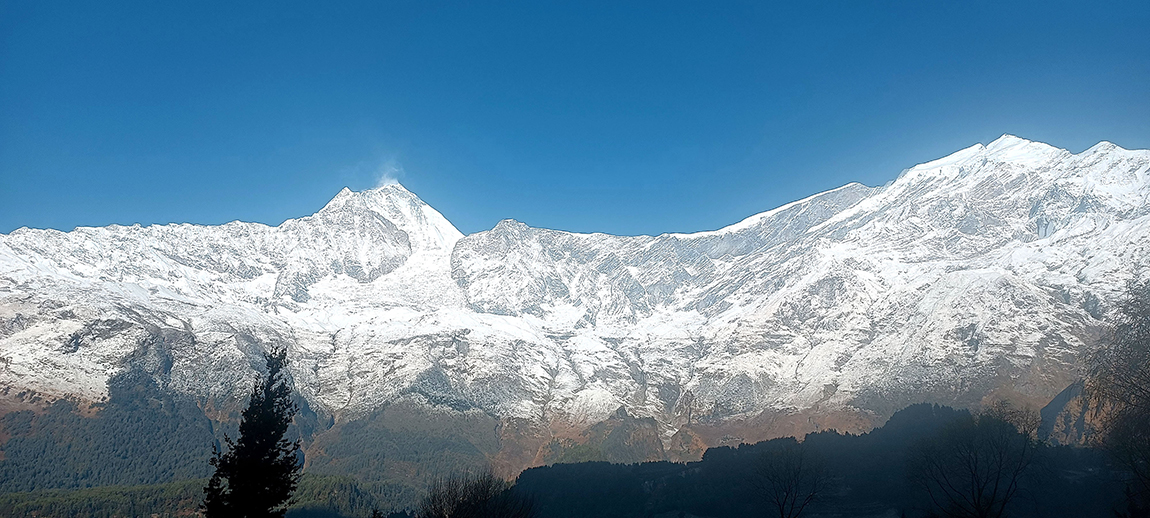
[388,173]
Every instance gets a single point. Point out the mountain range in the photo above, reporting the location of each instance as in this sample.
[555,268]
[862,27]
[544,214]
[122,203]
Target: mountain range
[987,274]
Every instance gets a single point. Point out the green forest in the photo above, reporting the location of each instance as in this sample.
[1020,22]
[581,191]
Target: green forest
[866,475]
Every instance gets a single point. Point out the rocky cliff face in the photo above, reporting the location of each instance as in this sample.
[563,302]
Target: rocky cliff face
[982,274]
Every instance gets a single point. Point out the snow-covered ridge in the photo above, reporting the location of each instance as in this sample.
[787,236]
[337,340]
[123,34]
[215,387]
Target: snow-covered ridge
[984,272]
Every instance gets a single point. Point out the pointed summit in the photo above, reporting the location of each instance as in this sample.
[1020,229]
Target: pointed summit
[392,186]
[1104,146]
[1009,148]
[426,227]
[1008,140]
[341,198]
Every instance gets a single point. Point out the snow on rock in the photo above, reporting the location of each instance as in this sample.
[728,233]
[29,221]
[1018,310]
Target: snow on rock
[986,272]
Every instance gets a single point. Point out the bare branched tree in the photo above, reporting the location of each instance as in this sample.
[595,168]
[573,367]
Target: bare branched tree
[1118,388]
[481,495]
[973,467]
[789,479]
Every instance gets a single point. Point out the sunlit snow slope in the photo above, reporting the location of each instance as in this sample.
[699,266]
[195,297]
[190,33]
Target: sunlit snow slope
[982,274]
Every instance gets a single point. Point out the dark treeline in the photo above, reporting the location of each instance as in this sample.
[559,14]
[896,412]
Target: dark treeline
[143,435]
[164,500]
[866,475]
[316,497]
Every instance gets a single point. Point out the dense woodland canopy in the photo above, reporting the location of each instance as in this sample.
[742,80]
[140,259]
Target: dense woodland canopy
[141,435]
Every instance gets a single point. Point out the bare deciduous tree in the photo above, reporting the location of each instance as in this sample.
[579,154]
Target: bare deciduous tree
[1118,386]
[789,478]
[481,495]
[973,467]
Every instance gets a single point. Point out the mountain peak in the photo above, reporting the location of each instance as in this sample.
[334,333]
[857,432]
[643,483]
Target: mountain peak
[426,227]
[1104,146]
[389,187]
[1008,140]
[378,297]
[1009,148]
[341,198]
[388,194]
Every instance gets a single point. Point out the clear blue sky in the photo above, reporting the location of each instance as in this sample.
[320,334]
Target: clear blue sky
[628,119]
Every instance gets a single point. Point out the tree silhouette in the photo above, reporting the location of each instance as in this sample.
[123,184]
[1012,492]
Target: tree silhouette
[259,472]
[789,479]
[1118,384]
[482,495]
[973,467]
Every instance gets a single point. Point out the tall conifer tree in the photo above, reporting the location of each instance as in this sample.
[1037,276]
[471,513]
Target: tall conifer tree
[259,472]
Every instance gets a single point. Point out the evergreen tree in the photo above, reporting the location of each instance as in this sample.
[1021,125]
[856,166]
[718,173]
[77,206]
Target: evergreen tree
[259,472]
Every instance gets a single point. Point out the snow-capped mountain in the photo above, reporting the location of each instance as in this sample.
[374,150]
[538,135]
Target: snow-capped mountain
[986,273]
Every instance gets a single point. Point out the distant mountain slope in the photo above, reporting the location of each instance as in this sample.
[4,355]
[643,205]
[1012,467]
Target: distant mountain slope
[981,274]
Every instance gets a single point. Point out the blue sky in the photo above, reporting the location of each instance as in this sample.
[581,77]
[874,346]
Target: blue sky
[638,118]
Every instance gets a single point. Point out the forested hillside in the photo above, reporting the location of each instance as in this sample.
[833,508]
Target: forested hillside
[866,475]
[140,435]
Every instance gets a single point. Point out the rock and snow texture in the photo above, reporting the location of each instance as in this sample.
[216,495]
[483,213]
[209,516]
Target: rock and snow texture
[983,273]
